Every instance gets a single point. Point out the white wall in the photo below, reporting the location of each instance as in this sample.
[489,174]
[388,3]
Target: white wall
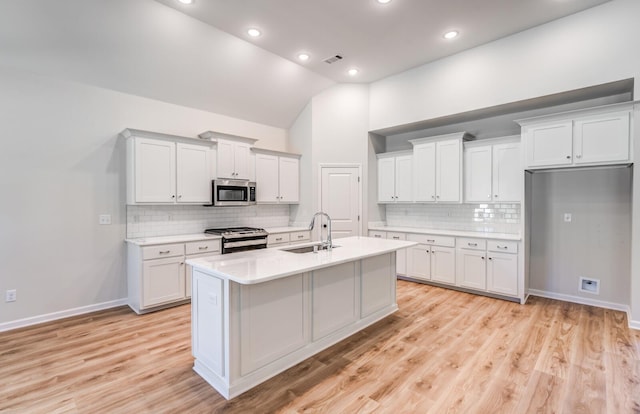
[332,129]
[61,165]
[595,244]
[593,47]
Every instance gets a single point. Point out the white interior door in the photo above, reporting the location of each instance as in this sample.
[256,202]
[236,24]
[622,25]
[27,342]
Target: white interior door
[340,199]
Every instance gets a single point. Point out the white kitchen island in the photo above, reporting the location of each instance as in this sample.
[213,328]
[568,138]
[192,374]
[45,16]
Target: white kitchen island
[257,313]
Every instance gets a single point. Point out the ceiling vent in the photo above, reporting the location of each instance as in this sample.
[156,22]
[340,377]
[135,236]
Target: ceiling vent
[333,59]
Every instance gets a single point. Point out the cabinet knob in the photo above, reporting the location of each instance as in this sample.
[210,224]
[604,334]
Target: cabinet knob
[180,196]
[173,196]
[578,156]
[437,196]
[568,157]
[482,257]
[427,251]
[491,258]
[433,197]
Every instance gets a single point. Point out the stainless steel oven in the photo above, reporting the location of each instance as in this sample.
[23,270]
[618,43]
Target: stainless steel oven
[240,239]
[233,193]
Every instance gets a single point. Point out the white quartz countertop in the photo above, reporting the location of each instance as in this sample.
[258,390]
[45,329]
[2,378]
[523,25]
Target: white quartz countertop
[455,233]
[259,266]
[276,230]
[181,238]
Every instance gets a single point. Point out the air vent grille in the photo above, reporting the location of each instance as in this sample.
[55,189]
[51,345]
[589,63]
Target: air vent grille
[333,59]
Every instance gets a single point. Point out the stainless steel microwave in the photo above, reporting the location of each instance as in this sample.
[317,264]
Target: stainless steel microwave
[233,193]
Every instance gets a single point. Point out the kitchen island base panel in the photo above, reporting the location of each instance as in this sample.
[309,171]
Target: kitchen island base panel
[237,346]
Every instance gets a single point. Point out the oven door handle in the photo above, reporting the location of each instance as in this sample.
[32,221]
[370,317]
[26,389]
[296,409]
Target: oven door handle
[243,243]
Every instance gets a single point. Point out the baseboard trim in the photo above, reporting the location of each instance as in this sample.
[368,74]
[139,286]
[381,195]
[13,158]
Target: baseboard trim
[34,320]
[588,301]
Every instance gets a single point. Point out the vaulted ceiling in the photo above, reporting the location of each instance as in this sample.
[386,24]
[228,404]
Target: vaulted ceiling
[199,56]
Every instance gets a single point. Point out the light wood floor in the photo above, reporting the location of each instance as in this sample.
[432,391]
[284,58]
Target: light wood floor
[443,351]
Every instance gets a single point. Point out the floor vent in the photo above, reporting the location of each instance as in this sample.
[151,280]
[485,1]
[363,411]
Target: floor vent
[589,286]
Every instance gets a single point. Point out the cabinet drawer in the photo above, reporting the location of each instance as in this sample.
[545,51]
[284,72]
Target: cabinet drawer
[472,244]
[163,250]
[433,240]
[205,246]
[396,236]
[502,246]
[299,236]
[377,234]
[279,238]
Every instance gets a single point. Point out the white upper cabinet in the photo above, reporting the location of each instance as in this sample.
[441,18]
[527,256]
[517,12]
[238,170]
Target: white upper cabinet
[193,169]
[164,169]
[277,178]
[234,158]
[493,171]
[438,168]
[395,173]
[596,136]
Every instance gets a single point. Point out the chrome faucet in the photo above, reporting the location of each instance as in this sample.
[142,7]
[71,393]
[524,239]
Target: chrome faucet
[328,243]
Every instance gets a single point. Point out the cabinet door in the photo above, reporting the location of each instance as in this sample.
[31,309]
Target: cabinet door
[471,269]
[603,138]
[289,180]
[507,173]
[226,163]
[403,178]
[419,261]
[241,157]
[549,144]
[448,171]
[401,255]
[424,172]
[386,180]
[155,171]
[266,178]
[502,273]
[443,264]
[163,281]
[477,174]
[193,179]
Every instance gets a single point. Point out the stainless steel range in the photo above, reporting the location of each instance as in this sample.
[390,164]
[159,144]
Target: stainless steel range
[240,239]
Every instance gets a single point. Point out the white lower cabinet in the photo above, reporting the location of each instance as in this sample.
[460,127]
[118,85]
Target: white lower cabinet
[471,258]
[432,259]
[157,275]
[502,268]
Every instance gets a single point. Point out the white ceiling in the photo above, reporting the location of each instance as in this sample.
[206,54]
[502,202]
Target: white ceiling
[378,39]
[144,48]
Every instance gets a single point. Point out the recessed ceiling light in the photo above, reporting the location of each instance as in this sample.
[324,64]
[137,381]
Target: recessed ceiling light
[383,1]
[254,32]
[186,1]
[303,56]
[451,35]
[353,72]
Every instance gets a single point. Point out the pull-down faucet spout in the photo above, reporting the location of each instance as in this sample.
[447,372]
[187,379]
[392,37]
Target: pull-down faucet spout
[328,243]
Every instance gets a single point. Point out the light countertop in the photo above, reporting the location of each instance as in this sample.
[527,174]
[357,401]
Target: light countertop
[181,238]
[257,266]
[454,233]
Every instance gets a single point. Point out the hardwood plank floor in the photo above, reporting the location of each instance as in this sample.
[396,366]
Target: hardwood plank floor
[443,351]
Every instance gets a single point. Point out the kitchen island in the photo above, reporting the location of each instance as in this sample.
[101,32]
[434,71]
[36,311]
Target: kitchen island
[257,313]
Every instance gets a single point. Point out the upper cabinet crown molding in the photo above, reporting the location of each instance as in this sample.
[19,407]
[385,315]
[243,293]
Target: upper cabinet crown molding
[578,113]
[462,135]
[276,153]
[130,133]
[214,136]
[492,141]
[394,154]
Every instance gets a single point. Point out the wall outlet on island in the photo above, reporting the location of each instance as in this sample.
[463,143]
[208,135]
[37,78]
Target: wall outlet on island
[104,219]
[10,295]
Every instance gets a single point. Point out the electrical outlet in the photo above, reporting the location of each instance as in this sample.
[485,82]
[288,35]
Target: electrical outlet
[567,217]
[104,219]
[10,295]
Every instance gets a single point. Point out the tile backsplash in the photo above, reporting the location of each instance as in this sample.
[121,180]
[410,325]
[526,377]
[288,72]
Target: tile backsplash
[154,221]
[497,218]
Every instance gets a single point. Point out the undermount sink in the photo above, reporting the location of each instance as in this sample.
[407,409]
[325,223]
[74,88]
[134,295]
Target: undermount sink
[308,249]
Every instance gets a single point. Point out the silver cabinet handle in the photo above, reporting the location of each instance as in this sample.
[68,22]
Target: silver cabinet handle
[165,252]
[502,247]
[396,238]
[431,241]
[578,156]
[279,239]
[203,247]
[300,236]
[377,236]
[472,244]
